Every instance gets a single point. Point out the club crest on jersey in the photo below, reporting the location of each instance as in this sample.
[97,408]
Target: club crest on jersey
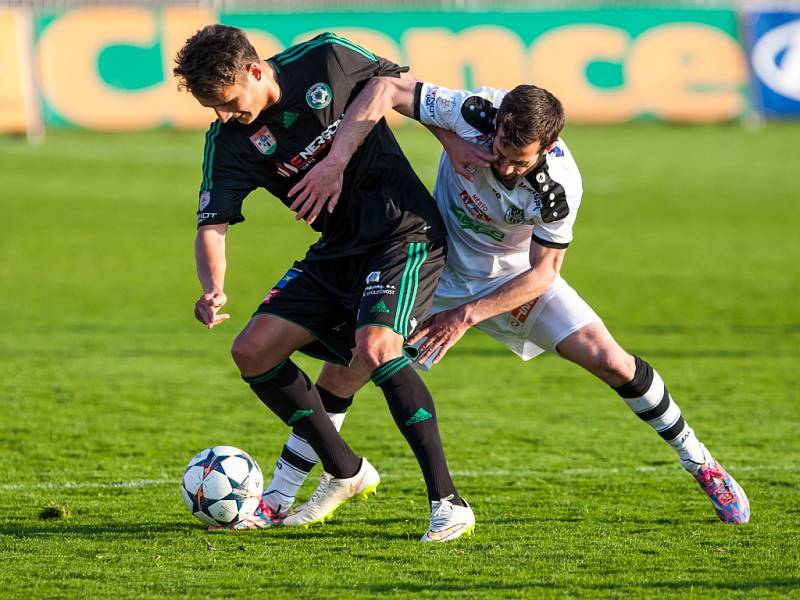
[264,141]
[319,95]
[514,216]
[445,104]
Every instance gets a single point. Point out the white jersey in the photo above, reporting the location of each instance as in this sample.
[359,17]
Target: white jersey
[490,227]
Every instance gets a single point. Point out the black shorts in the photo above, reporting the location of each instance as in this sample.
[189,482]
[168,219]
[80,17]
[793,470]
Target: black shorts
[392,288]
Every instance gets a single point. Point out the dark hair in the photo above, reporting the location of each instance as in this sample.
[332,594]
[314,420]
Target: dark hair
[212,59]
[530,114]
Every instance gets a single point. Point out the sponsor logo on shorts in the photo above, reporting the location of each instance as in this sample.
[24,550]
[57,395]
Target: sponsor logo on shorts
[319,95]
[264,141]
[378,289]
[205,200]
[380,308]
[412,324]
[204,216]
[518,316]
[290,274]
[374,277]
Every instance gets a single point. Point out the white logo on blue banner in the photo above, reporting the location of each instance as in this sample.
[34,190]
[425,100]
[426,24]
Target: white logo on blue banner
[776,59]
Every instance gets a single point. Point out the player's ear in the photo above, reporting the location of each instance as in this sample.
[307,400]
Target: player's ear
[255,70]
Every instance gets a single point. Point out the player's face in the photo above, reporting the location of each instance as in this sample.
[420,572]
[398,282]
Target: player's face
[241,101]
[512,162]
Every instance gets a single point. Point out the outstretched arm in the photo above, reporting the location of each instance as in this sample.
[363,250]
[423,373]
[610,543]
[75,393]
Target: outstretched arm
[323,183]
[209,254]
[445,328]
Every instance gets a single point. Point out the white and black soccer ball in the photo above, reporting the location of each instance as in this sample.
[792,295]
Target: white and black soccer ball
[222,485]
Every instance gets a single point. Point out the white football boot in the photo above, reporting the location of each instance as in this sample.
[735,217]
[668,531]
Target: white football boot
[449,521]
[331,493]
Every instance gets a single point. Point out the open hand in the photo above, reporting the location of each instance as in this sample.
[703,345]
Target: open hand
[466,157]
[320,187]
[442,330]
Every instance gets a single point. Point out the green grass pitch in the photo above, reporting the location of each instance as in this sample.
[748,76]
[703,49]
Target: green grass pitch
[686,244]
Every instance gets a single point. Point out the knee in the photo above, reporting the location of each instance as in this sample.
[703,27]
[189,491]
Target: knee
[244,351]
[375,348]
[254,356]
[343,381]
[614,366]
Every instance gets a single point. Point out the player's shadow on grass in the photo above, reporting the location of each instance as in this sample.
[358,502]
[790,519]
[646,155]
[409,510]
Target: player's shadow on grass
[787,583]
[438,587]
[441,587]
[662,353]
[61,529]
[350,532]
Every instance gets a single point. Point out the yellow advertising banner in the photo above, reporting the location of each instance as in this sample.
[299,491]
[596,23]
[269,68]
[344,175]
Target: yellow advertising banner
[110,68]
[18,108]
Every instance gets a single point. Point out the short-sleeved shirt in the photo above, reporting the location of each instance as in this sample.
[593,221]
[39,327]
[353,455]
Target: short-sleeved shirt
[490,227]
[382,199]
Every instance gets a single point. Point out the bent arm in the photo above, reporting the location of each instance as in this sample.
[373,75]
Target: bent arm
[545,266]
[444,329]
[209,254]
[373,102]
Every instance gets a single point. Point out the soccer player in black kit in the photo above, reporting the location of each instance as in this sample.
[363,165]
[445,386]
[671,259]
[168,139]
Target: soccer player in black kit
[361,288]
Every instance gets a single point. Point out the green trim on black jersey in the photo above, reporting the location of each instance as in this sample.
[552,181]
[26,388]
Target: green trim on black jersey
[296,52]
[417,254]
[208,155]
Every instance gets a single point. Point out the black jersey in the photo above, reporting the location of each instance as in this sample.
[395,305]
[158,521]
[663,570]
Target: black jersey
[382,199]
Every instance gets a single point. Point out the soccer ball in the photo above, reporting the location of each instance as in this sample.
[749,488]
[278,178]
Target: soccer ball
[222,485]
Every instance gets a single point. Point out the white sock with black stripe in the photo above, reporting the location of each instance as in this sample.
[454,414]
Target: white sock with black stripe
[298,458]
[648,397]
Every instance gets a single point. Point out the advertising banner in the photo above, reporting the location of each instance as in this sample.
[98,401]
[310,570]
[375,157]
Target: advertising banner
[18,107]
[773,40]
[110,68]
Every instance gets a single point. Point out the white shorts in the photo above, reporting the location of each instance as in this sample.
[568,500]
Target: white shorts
[534,327]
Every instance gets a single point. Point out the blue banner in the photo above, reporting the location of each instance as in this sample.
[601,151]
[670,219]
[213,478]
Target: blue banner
[774,52]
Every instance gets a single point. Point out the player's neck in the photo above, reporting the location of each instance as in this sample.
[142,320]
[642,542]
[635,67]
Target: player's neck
[272,88]
[509,184]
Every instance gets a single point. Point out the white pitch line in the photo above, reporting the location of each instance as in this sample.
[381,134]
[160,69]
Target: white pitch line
[141,483]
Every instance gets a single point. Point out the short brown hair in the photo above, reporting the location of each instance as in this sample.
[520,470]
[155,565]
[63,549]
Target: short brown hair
[530,114]
[212,59]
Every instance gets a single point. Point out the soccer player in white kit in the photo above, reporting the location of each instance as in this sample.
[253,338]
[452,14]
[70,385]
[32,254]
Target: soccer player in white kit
[509,206]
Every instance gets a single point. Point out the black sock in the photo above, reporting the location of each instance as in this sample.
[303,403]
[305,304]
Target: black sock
[288,392]
[412,407]
[332,403]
